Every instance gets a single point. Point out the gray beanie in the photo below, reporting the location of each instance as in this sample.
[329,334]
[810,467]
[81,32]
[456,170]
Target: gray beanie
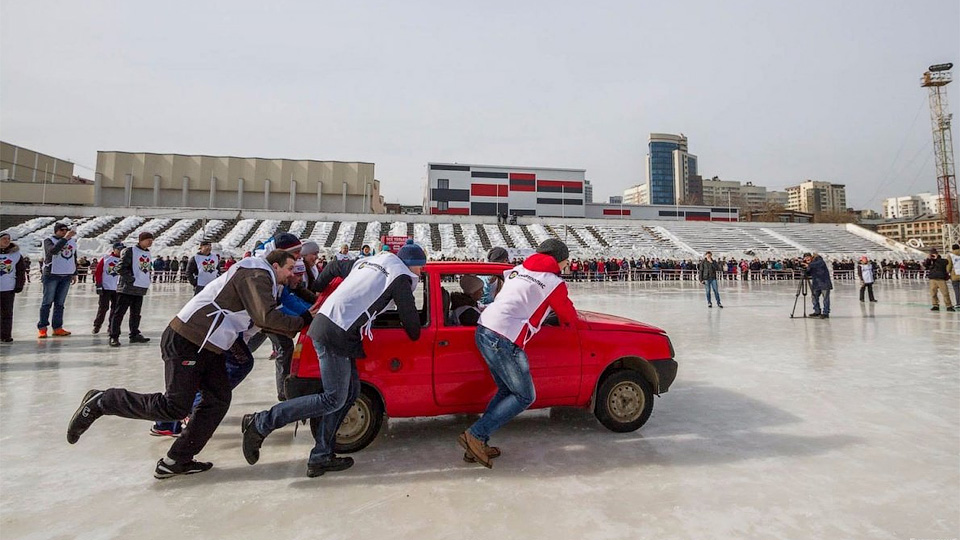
[498,254]
[309,247]
[555,248]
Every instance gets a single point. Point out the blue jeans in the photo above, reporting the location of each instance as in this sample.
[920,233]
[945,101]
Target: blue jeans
[511,372]
[826,301]
[711,285]
[341,387]
[237,371]
[54,294]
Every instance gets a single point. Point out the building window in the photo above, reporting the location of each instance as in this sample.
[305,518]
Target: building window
[443,183]
[443,206]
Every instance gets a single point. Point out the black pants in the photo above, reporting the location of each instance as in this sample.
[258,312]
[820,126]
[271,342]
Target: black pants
[107,302]
[124,301]
[284,347]
[187,369]
[6,314]
[869,288]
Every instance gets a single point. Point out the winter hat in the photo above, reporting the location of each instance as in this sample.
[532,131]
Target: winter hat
[118,245]
[470,284]
[60,227]
[386,247]
[411,254]
[145,235]
[863,259]
[287,242]
[555,248]
[309,248]
[498,255]
[4,233]
[299,268]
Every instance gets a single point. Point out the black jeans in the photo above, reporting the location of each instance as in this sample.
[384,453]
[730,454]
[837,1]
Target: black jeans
[6,314]
[107,302]
[187,369]
[869,288]
[284,347]
[124,301]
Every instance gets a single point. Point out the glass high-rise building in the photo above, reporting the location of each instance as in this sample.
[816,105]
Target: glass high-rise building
[669,168]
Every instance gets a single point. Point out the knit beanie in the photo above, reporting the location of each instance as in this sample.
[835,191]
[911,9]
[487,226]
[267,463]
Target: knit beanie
[470,284]
[555,248]
[411,254]
[498,255]
[309,248]
[287,242]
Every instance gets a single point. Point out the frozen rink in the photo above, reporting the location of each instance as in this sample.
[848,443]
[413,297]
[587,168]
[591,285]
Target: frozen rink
[775,428]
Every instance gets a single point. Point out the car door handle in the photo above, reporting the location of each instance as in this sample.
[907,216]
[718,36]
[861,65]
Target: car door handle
[443,343]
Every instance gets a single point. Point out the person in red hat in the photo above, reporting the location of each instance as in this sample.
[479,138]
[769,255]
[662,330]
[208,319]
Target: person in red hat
[134,269]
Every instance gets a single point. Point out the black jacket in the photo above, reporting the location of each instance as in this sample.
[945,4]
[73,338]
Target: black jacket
[709,269]
[20,269]
[937,268]
[349,342]
[819,275]
[125,269]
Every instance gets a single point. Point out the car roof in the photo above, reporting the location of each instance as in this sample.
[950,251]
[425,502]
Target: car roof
[469,266]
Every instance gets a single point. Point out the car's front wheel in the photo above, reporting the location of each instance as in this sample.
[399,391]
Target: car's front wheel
[361,425]
[624,401]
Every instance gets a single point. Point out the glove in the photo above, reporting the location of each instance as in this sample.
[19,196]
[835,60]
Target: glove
[307,318]
[99,290]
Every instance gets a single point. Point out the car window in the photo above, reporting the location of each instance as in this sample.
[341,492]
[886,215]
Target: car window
[391,318]
[455,297]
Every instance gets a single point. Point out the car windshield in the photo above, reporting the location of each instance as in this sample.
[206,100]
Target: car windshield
[391,319]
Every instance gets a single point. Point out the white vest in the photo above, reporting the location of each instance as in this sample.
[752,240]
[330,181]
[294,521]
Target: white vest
[142,267]
[956,264]
[225,325]
[8,271]
[64,263]
[524,292]
[207,268]
[110,274]
[866,273]
[368,280]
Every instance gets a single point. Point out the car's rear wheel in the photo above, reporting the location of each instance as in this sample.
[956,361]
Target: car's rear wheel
[624,401]
[361,425]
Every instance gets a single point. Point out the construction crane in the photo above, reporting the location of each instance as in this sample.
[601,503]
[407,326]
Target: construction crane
[936,79]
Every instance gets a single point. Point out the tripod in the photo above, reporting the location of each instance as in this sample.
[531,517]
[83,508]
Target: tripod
[802,288]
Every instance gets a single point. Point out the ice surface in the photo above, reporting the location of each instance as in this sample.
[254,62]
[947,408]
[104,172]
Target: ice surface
[775,428]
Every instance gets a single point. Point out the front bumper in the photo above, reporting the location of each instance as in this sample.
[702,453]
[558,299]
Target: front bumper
[666,373]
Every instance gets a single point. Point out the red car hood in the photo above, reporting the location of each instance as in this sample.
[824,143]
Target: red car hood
[604,322]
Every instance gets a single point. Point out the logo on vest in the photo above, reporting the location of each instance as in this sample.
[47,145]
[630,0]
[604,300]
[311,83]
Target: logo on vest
[112,268]
[373,266]
[144,261]
[6,266]
[209,265]
[527,278]
[67,252]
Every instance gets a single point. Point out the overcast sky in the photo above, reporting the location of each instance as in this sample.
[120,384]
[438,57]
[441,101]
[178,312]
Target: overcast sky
[767,91]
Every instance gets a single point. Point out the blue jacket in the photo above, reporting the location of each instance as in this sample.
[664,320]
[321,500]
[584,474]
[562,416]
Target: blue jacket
[819,275]
[291,304]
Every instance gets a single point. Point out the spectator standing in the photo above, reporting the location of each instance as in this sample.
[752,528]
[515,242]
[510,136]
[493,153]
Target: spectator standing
[203,268]
[106,276]
[939,270]
[820,284]
[59,271]
[135,266]
[955,274]
[867,274]
[13,275]
[708,273]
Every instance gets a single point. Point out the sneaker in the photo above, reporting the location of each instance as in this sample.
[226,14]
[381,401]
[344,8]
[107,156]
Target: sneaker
[85,415]
[951,309]
[42,333]
[252,439]
[60,332]
[475,448]
[710,305]
[720,306]
[139,338]
[177,469]
[492,452]
[6,340]
[114,342]
[825,316]
[163,432]
[96,329]
[333,464]
[815,315]
[935,308]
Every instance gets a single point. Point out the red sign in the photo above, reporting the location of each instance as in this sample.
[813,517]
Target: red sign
[394,242]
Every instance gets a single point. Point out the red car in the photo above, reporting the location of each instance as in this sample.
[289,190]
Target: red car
[610,364]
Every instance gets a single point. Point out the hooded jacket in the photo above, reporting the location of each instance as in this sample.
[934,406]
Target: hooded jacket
[13,267]
[819,275]
[530,292]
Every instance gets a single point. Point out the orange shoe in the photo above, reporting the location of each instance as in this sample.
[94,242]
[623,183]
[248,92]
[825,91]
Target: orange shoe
[42,333]
[61,332]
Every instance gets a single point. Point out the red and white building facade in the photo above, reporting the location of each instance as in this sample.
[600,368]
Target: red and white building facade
[484,190]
